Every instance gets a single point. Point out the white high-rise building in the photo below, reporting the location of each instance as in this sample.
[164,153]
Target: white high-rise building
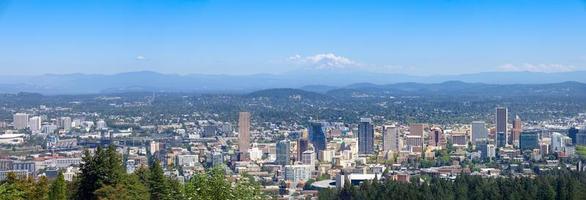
[64,122]
[391,139]
[35,124]
[101,125]
[20,120]
[479,131]
[557,142]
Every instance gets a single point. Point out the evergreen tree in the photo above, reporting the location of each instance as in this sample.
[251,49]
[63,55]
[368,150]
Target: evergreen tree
[158,183]
[88,181]
[41,189]
[58,190]
[104,168]
[136,188]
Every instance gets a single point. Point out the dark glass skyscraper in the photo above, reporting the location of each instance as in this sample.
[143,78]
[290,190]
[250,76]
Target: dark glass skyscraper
[317,136]
[283,148]
[302,145]
[529,140]
[365,136]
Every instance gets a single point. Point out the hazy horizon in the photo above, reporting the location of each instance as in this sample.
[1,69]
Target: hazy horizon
[301,70]
[271,37]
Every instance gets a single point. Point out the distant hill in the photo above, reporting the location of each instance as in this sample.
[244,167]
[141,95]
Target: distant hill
[309,80]
[318,88]
[458,88]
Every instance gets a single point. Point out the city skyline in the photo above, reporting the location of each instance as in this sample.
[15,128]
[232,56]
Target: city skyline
[292,99]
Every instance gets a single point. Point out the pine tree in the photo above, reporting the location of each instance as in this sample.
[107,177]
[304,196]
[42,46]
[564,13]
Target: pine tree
[41,189]
[136,188]
[88,181]
[159,186]
[58,190]
[102,169]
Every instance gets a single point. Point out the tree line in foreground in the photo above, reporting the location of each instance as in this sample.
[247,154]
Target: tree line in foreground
[559,184]
[103,176]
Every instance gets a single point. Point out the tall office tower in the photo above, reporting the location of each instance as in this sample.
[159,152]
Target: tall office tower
[479,131]
[517,128]
[501,126]
[243,134]
[317,136]
[365,136]
[391,139]
[283,148]
[64,122]
[35,124]
[436,137]
[20,120]
[302,146]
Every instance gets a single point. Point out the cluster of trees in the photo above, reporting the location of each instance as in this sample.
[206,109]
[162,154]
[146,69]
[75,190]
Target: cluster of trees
[553,185]
[15,187]
[104,177]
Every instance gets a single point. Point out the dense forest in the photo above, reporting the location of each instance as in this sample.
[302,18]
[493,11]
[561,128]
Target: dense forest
[104,177]
[559,185]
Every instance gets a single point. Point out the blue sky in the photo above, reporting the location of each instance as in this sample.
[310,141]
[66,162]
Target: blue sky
[246,37]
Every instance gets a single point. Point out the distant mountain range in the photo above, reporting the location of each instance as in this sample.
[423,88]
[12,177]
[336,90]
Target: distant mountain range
[321,81]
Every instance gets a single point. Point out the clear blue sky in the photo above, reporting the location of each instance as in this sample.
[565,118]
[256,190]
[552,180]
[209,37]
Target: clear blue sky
[247,37]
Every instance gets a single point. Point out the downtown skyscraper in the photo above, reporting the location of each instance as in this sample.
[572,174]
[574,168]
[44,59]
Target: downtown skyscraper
[501,126]
[282,149]
[365,136]
[317,136]
[479,131]
[243,134]
[517,129]
[391,139]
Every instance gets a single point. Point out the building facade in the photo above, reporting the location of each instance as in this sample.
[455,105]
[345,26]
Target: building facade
[243,134]
[365,136]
